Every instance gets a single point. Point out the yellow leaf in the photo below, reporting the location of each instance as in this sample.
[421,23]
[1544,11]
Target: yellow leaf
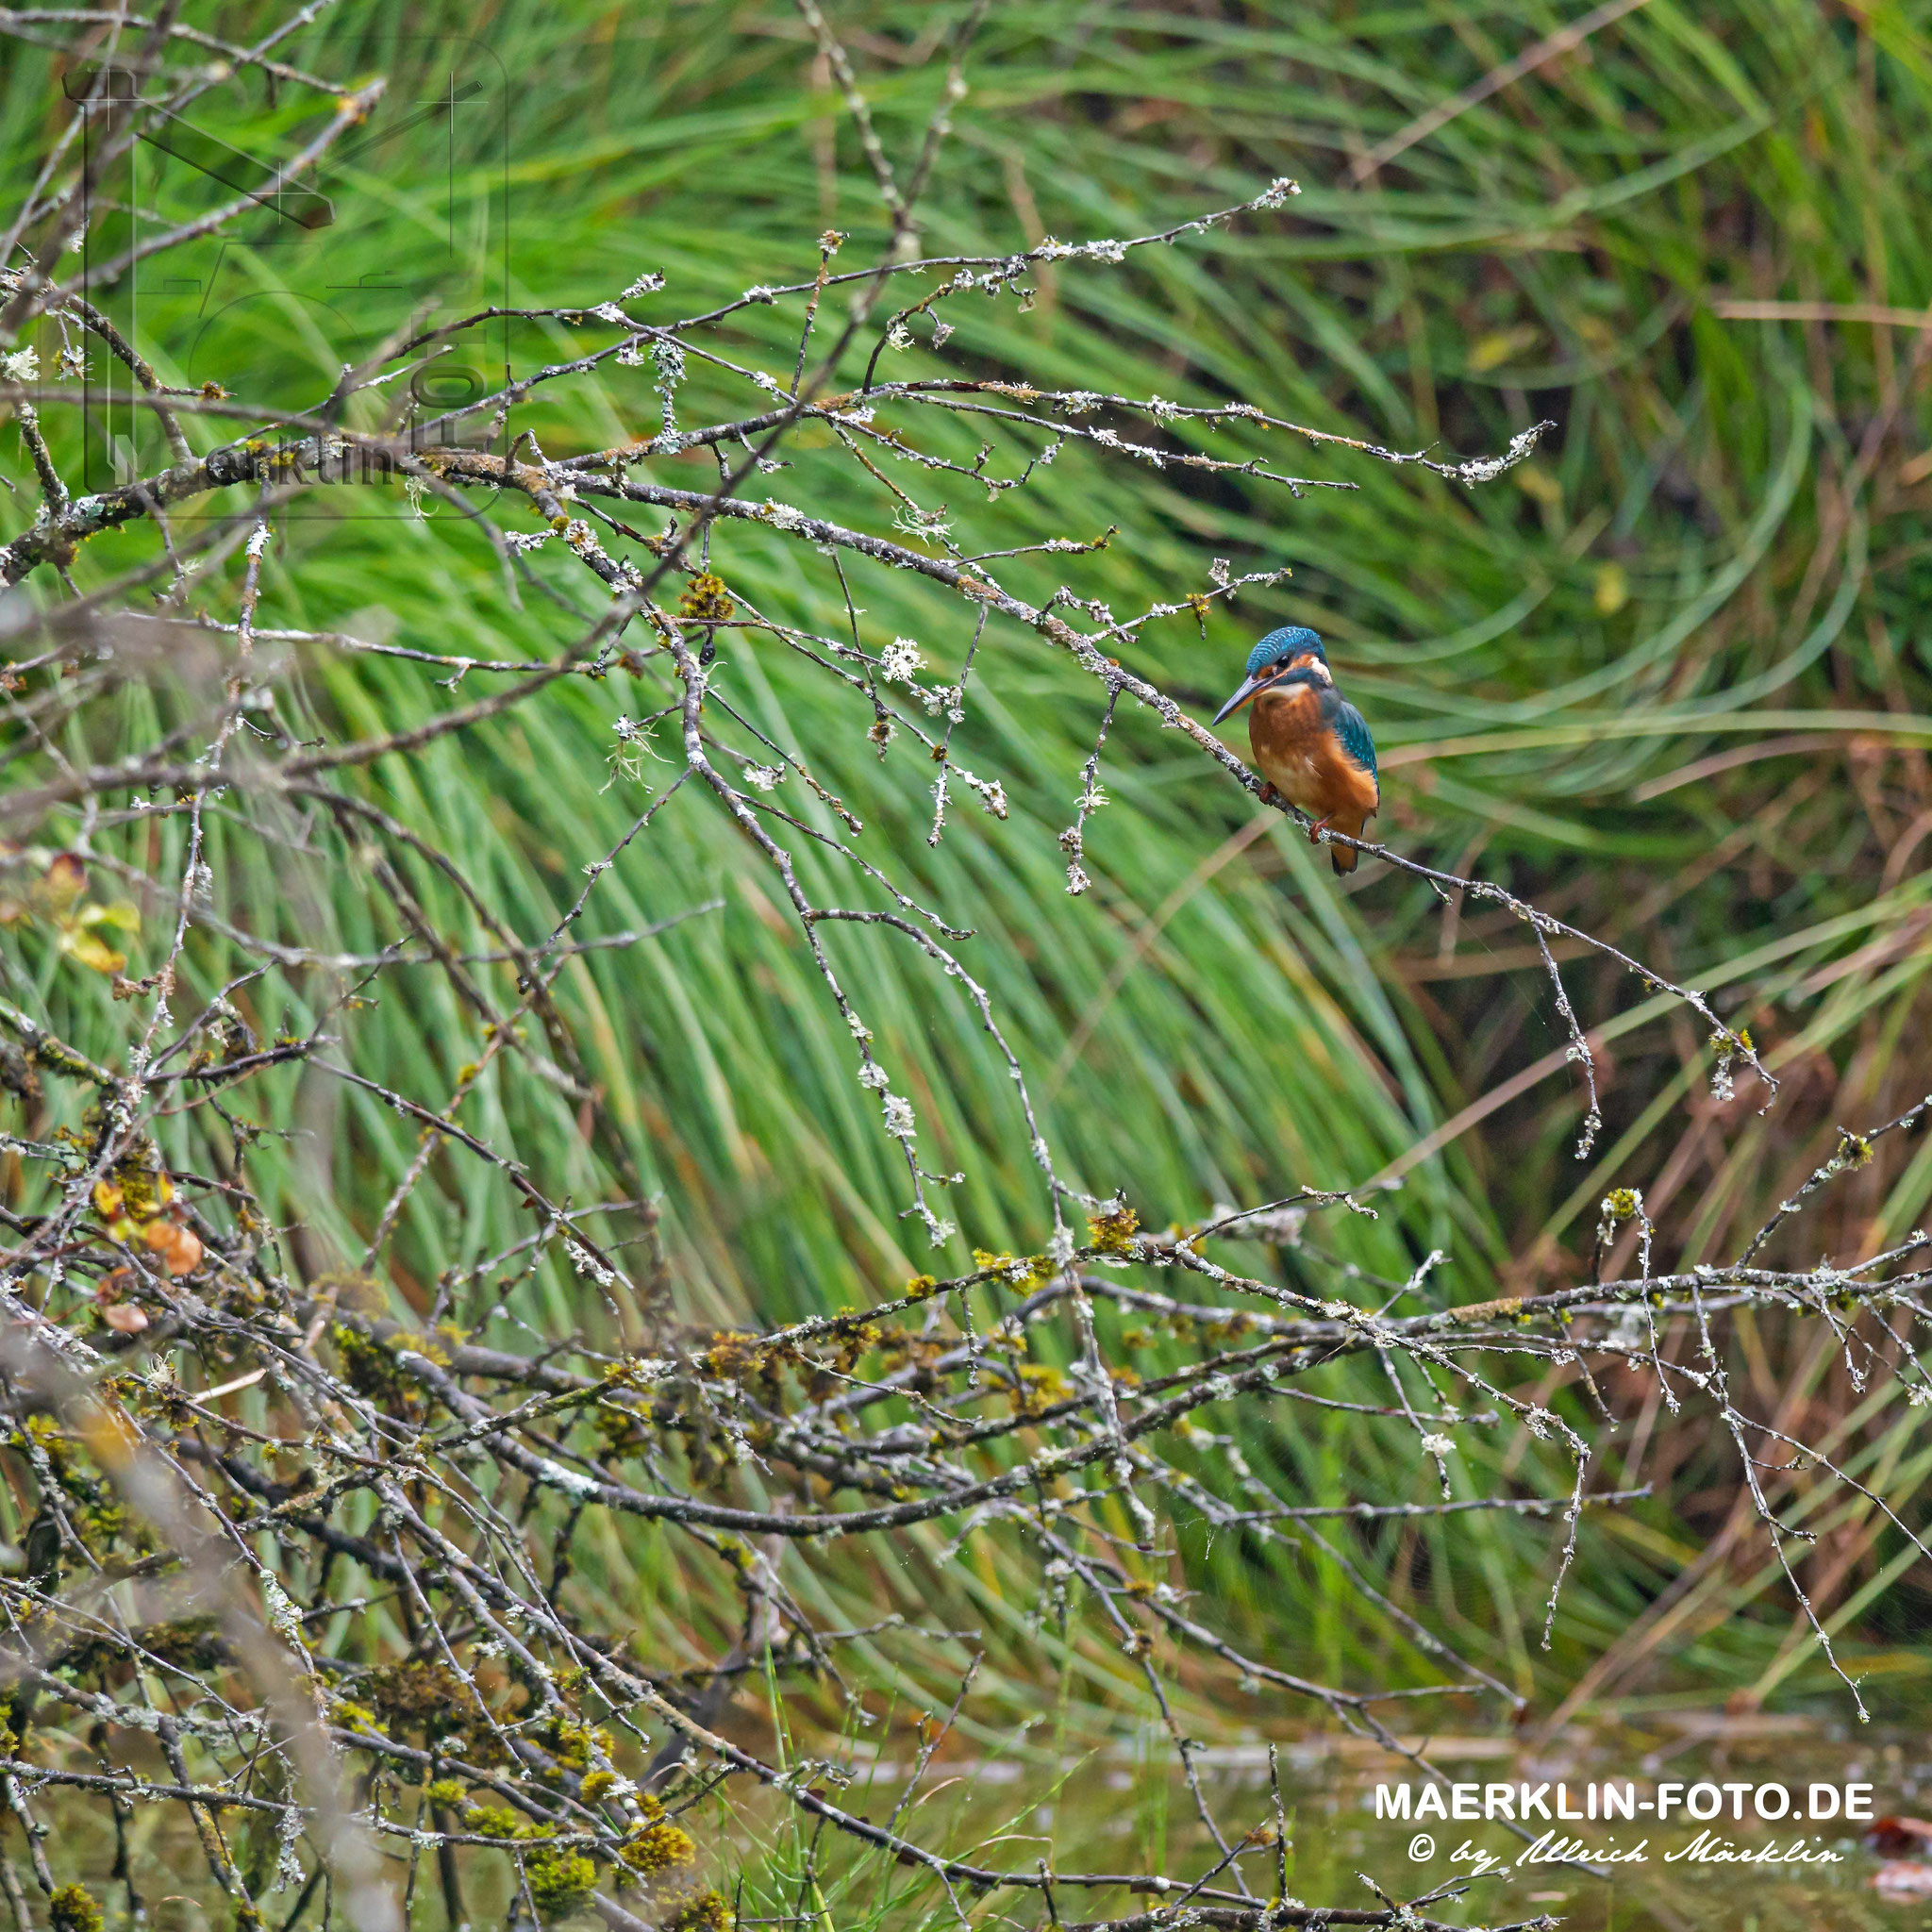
[119,912]
[1492,351]
[61,884]
[1612,589]
[1534,480]
[90,950]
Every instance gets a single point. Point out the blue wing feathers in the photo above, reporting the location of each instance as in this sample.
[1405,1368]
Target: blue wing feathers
[1353,730]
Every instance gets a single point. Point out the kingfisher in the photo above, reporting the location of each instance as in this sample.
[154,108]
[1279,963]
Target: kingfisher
[1310,744]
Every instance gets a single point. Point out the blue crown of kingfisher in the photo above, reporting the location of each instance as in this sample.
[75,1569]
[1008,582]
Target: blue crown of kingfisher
[1291,641]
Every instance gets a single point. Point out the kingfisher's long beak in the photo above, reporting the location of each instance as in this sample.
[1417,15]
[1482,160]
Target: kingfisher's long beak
[1249,688]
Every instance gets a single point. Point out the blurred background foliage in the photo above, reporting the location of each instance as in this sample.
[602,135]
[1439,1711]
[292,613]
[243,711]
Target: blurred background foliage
[1672,678]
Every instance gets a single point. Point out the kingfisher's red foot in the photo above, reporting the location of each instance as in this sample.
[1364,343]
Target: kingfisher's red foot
[1316,831]
[1271,796]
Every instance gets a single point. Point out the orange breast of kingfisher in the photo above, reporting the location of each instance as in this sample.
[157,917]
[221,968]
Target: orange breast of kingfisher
[1302,758]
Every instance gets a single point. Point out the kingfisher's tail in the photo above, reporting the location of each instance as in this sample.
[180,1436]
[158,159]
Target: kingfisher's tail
[1344,858]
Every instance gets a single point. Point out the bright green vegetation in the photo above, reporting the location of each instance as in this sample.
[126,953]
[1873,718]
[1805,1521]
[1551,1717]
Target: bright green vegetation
[1673,679]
